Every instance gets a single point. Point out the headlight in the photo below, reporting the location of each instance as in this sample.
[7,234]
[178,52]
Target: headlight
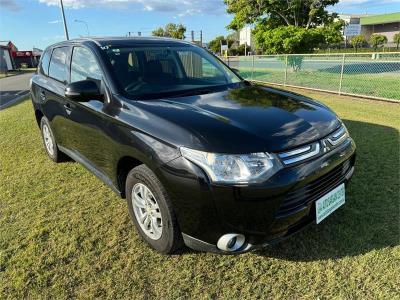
[237,168]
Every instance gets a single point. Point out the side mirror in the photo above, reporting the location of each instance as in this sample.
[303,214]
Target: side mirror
[83,91]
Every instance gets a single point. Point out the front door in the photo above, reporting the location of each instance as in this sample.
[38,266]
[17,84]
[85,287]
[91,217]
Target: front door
[87,121]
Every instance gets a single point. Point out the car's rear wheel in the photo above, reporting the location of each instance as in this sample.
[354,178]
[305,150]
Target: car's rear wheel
[151,210]
[49,141]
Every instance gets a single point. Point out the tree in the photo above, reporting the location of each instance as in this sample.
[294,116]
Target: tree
[215,44]
[358,41]
[275,13]
[291,26]
[396,40]
[377,40]
[241,49]
[332,33]
[158,32]
[176,31]
[288,39]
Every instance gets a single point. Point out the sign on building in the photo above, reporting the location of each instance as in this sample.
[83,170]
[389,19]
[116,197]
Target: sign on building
[352,29]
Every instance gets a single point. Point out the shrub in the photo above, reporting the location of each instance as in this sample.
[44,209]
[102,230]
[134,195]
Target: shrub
[377,40]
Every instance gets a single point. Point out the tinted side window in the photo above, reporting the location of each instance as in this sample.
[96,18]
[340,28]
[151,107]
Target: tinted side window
[196,66]
[44,63]
[84,65]
[58,68]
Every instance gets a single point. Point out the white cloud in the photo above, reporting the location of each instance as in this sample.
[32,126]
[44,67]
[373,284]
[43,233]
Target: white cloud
[54,22]
[10,5]
[366,3]
[354,2]
[180,7]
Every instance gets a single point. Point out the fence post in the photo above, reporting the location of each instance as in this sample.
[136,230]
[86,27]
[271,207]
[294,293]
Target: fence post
[252,66]
[341,73]
[286,63]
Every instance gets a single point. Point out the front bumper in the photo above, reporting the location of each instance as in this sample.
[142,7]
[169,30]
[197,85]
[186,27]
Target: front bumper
[265,213]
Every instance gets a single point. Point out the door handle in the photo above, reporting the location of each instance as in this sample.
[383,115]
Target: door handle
[68,108]
[42,95]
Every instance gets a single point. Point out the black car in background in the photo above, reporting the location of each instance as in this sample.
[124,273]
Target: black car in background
[202,156]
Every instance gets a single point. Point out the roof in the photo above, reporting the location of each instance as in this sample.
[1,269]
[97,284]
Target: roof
[341,16]
[126,41]
[380,19]
[4,43]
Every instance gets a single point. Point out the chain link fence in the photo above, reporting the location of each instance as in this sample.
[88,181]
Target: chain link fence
[371,75]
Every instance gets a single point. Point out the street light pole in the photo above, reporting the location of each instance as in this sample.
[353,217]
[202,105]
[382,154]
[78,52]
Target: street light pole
[87,26]
[65,22]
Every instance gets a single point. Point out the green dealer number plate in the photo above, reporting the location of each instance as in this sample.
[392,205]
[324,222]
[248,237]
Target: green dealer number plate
[329,203]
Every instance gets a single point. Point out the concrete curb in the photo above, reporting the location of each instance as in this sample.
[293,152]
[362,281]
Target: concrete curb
[24,94]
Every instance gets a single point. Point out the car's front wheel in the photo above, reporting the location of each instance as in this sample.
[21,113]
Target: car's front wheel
[151,210]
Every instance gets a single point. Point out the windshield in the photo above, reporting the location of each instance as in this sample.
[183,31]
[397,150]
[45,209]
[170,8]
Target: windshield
[153,71]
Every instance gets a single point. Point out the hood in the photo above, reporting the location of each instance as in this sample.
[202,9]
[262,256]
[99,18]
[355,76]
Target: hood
[243,120]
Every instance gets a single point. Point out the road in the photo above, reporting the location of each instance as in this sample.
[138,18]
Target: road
[13,88]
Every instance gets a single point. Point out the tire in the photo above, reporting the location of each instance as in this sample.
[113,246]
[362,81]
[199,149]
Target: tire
[169,240]
[49,142]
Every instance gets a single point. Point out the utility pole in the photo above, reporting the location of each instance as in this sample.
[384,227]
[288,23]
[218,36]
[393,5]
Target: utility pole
[245,43]
[65,22]
[192,35]
[139,33]
[201,38]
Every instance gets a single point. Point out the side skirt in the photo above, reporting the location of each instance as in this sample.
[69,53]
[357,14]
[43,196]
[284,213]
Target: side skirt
[91,168]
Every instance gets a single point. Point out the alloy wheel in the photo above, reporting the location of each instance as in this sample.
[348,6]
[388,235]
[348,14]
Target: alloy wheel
[147,211]
[48,140]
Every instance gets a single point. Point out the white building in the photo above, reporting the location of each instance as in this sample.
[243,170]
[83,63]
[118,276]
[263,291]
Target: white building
[245,37]
[6,63]
[386,24]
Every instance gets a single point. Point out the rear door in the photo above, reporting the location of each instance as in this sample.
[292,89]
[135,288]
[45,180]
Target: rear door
[39,80]
[52,91]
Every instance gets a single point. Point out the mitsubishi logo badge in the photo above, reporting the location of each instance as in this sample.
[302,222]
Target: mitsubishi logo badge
[325,146]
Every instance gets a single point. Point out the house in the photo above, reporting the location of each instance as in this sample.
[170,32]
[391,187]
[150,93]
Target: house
[6,59]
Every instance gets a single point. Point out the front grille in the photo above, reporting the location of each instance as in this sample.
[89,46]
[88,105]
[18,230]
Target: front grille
[315,149]
[300,198]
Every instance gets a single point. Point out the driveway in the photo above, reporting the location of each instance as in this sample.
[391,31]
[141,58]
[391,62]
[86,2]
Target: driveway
[13,89]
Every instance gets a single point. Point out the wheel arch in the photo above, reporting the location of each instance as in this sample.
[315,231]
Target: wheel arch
[124,166]
[38,115]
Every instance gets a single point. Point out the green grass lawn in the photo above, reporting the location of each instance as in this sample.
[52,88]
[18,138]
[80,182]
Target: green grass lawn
[17,72]
[64,234]
[384,85]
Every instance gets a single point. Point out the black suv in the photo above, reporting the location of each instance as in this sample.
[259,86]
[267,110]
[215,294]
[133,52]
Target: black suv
[202,156]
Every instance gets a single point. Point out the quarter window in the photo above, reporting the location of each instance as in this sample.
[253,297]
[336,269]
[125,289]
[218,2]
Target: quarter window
[58,68]
[84,66]
[44,63]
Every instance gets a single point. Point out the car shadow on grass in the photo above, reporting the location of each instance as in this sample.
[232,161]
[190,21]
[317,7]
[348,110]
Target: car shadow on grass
[369,219]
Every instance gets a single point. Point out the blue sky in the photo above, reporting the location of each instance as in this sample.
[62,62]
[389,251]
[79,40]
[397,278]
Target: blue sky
[37,23]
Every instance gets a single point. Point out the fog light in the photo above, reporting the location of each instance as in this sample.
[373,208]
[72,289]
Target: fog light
[231,242]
